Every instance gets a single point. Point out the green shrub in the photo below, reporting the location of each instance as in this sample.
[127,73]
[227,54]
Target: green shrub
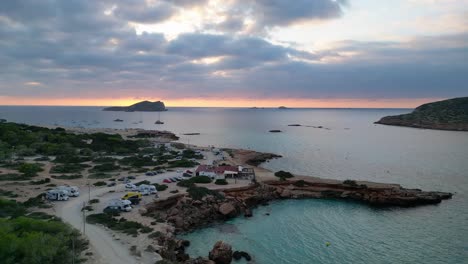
[39,182]
[350,183]
[105,167]
[186,183]
[183,163]
[221,182]
[300,183]
[8,194]
[197,193]
[160,187]
[99,175]
[30,169]
[93,201]
[68,177]
[14,177]
[128,227]
[201,179]
[100,183]
[283,174]
[68,168]
[142,182]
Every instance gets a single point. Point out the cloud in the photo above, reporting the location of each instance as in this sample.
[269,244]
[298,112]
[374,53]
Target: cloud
[84,49]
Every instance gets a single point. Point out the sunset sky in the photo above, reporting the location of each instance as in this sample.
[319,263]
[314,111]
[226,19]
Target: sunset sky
[265,53]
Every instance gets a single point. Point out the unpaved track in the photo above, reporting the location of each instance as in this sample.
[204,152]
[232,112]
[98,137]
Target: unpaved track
[109,250]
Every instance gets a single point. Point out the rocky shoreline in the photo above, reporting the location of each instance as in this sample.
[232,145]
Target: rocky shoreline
[186,213]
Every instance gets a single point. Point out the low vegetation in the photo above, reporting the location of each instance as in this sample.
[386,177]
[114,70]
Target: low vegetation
[221,182]
[36,237]
[67,177]
[99,183]
[197,193]
[283,174]
[123,225]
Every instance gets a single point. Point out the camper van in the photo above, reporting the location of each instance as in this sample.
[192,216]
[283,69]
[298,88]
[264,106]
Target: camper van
[122,205]
[72,191]
[145,189]
[57,195]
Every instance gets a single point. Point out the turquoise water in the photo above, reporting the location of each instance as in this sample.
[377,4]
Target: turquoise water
[351,147]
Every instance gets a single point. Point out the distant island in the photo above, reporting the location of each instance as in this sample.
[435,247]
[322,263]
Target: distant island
[144,106]
[451,114]
[283,107]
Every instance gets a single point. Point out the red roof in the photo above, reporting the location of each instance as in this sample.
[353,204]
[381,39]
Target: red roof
[217,170]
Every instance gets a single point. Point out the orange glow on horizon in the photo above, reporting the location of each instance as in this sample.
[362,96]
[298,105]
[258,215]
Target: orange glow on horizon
[223,102]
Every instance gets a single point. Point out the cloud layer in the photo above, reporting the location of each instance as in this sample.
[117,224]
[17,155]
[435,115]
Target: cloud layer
[53,49]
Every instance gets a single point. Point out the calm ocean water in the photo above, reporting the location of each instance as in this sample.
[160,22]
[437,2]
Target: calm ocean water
[349,146]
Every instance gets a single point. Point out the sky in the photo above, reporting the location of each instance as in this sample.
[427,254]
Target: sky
[233,53]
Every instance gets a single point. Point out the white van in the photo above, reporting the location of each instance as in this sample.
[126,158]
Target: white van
[123,205]
[57,195]
[145,189]
[72,191]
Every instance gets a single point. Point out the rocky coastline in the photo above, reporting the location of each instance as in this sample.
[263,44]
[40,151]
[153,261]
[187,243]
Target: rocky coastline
[186,213]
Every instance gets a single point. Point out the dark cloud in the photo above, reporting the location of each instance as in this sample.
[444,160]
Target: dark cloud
[74,49]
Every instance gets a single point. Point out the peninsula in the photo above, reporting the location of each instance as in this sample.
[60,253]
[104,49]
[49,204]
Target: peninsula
[144,106]
[451,114]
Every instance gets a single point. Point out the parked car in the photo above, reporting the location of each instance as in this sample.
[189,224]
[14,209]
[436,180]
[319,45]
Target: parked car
[150,173]
[160,171]
[187,175]
[130,186]
[167,181]
[112,210]
[131,177]
[179,178]
[110,184]
[121,179]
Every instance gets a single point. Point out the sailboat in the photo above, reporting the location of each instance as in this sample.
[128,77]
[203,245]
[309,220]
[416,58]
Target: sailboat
[159,122]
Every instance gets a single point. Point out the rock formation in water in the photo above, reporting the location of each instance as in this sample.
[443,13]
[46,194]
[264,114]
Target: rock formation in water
[449,114]
[144,106]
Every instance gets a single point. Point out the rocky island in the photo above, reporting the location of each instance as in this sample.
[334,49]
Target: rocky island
[449,114]
[144,106]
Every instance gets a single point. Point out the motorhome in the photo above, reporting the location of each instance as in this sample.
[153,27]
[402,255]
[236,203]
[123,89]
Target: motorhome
[57,195]
[72,191]
[145,189]
[122,205]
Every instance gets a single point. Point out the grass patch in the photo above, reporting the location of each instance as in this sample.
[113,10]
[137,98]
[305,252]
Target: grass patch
[160,187]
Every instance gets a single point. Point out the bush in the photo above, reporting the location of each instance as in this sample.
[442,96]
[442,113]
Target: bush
[142,182]
[68,168]
[221,182]
[26,240]
[128,227]
[350,183]
[93,201]
[197,193]
[14,177]
[100,183]
[160,187]
[186,183]
[68,177]
[39,182]
[99,175]
[183,163]
[300,183]
[201,179]
[30,169]
[283,174]
[105,167]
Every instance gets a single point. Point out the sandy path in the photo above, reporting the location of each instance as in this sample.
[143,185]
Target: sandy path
[110,251]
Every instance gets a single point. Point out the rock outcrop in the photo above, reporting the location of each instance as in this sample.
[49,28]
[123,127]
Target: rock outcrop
[449,114]
[221,253]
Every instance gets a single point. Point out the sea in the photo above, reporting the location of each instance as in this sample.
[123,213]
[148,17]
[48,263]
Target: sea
[330,143]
